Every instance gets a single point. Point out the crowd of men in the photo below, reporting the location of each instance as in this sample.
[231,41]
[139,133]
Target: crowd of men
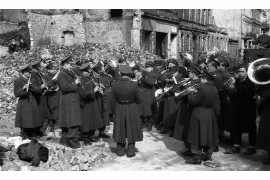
[194,102]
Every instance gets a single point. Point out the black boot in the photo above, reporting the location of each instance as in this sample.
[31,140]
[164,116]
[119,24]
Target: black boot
[120,151]
[103,135]
[63,141]
[72,143]
[149,126]
[131,150]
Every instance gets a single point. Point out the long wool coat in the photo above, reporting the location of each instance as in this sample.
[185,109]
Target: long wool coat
[36,79]
[263,138]
[90,112]
[69,105]
[183,118]
[27,113]
[245,116]
[203,130]
[127,120]
[171,106]
[147,106]
[52,98]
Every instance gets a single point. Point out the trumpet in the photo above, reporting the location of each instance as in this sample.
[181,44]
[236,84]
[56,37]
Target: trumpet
[188,90]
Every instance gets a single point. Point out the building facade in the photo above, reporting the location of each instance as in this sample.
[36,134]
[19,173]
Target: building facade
[243,25]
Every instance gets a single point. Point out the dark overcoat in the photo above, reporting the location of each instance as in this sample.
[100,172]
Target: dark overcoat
[90,113]
[245,115]
[69,105]
[263,137]
[223,95]
[183,118]
[52,98]
[107,80]
[102,102]
[171,106]
[147,90]
[203,130]
[27,112]
[36,79]
[127,120]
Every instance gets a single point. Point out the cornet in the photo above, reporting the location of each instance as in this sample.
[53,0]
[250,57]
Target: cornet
[28,83]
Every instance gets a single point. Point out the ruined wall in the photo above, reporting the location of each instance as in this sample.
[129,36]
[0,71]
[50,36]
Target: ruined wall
[101,28]
[6,27]
[51,29]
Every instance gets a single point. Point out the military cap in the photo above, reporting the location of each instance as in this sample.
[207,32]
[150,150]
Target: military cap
[173,61]
[149,64]
[49,66]
[78,62]
[265,29]
[226,64]
[158,62]
[84,66]
[36,63]
[66,59]
[125,69]
[201,60]
[25,67]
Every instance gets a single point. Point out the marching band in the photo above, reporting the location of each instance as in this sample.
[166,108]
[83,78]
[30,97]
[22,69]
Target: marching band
[194,103]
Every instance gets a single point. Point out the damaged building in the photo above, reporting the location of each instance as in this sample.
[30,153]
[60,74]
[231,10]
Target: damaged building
[165,32]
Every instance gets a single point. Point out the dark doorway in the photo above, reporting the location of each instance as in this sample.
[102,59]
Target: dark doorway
[195,47]
[146,40]
[161,44]
[116,13]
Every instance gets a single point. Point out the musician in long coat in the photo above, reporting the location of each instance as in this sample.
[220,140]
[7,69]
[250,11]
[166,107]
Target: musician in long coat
[147,89]
[127,125]
[52,95]
[203,129]
[38,80]
[263,138]
[27,113]
[69,106]
[182,123]
[90,112]
[101,97]
[171,103]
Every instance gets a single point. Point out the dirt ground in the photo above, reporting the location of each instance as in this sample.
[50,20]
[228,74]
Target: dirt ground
[162,153]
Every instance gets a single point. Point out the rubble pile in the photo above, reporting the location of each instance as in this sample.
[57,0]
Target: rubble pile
[61,158]
[9,64]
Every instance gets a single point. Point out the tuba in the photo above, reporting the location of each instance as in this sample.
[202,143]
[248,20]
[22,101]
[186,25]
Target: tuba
[259,71]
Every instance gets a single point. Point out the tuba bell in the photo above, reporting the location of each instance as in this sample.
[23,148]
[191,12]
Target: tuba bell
[259,71]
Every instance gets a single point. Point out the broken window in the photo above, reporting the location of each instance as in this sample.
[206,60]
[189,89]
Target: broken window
[69,38]
[116,13]
[146,40]
[161,44]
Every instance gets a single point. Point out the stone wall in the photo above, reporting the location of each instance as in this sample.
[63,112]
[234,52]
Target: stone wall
[7,27]
[101,28]
[51,29]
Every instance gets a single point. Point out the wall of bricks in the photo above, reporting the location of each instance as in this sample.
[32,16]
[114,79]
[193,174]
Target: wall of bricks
[100,28]
[50,29]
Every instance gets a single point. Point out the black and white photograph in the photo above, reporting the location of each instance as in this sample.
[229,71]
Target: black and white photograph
[146,89]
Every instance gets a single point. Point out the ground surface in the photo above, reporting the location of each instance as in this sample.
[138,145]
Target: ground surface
[159,152]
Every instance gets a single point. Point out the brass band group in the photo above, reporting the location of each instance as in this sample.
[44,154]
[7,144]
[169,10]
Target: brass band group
[192,101]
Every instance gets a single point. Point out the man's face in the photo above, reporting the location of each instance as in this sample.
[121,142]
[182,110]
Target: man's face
[202,65]
[190,75]
[171,65]
[149,68]
[67,66]
[13,41]
[26,74]
[242,73]
[210,67]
